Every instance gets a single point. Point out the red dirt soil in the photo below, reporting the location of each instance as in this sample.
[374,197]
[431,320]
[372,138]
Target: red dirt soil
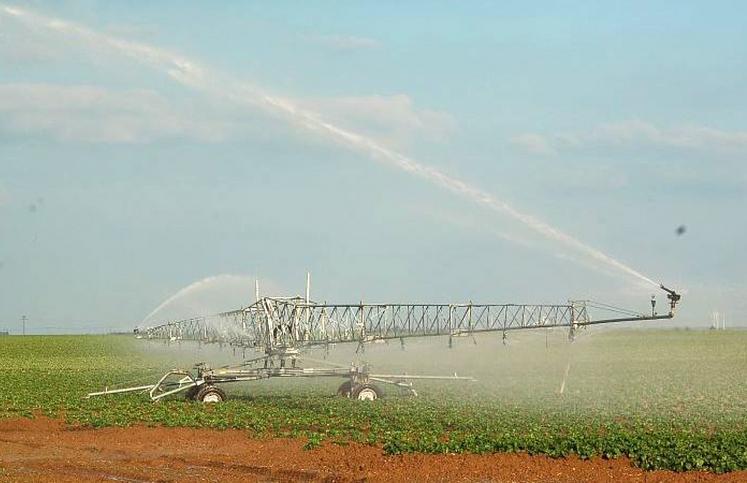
[47,450]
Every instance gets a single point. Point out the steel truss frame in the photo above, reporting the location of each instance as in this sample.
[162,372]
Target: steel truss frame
[283,326]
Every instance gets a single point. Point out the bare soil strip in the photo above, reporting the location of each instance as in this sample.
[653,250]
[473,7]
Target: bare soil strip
[47,450]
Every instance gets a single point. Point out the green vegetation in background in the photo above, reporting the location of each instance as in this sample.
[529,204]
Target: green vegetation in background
[666,399]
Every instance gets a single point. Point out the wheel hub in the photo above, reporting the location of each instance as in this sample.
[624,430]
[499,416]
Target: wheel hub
[211,398]
[367,395]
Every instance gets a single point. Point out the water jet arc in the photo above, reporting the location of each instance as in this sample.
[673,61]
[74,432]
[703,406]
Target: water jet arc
[192,74]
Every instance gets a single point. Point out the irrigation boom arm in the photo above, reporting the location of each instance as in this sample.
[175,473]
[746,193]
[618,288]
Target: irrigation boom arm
[279,323]
[283,326]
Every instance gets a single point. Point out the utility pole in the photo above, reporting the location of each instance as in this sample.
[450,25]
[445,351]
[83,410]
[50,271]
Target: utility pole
[23,321]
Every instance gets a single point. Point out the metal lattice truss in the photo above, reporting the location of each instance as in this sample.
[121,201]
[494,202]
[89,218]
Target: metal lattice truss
[282,327]
[273,323]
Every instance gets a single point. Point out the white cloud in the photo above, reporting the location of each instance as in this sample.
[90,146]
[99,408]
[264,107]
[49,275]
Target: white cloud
[344,42]
[18,46]
[92,114]
[393,119]
[533,144]
[635,134]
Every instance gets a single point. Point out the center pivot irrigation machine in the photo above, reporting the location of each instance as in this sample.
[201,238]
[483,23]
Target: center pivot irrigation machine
[282,327]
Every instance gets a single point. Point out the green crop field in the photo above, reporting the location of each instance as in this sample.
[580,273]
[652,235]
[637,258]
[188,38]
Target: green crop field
[668,399]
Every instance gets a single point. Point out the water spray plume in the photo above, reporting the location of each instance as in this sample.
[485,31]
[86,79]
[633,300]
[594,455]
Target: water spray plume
[191,74]
[196,287]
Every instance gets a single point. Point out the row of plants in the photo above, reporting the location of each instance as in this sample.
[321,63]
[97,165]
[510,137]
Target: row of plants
[656,422]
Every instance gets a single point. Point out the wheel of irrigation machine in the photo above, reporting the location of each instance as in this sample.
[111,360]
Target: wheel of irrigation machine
[191,393]
[210,394]
[366,392]
[345,389]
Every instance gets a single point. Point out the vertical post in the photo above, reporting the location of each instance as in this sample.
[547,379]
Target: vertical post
[307,309]
[573,312]
[23,322]
[470,316]
[362,321]
[266,310]
[392,322]
[574,325]
[256,290]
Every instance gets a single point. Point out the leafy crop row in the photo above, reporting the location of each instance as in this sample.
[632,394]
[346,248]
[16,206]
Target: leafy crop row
[690,424]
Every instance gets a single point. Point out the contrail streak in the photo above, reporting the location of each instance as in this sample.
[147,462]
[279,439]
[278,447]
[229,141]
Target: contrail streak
[190,73]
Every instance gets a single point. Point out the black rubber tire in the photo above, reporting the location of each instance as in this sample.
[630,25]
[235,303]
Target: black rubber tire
[366,392]
[345,389]
[191,393]
[214,394]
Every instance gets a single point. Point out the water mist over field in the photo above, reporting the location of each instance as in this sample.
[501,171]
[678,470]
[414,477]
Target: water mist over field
[606,370]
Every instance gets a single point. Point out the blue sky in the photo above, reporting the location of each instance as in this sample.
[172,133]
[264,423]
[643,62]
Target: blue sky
[613,122]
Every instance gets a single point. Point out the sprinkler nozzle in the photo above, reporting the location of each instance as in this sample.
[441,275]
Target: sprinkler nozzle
[673,296]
